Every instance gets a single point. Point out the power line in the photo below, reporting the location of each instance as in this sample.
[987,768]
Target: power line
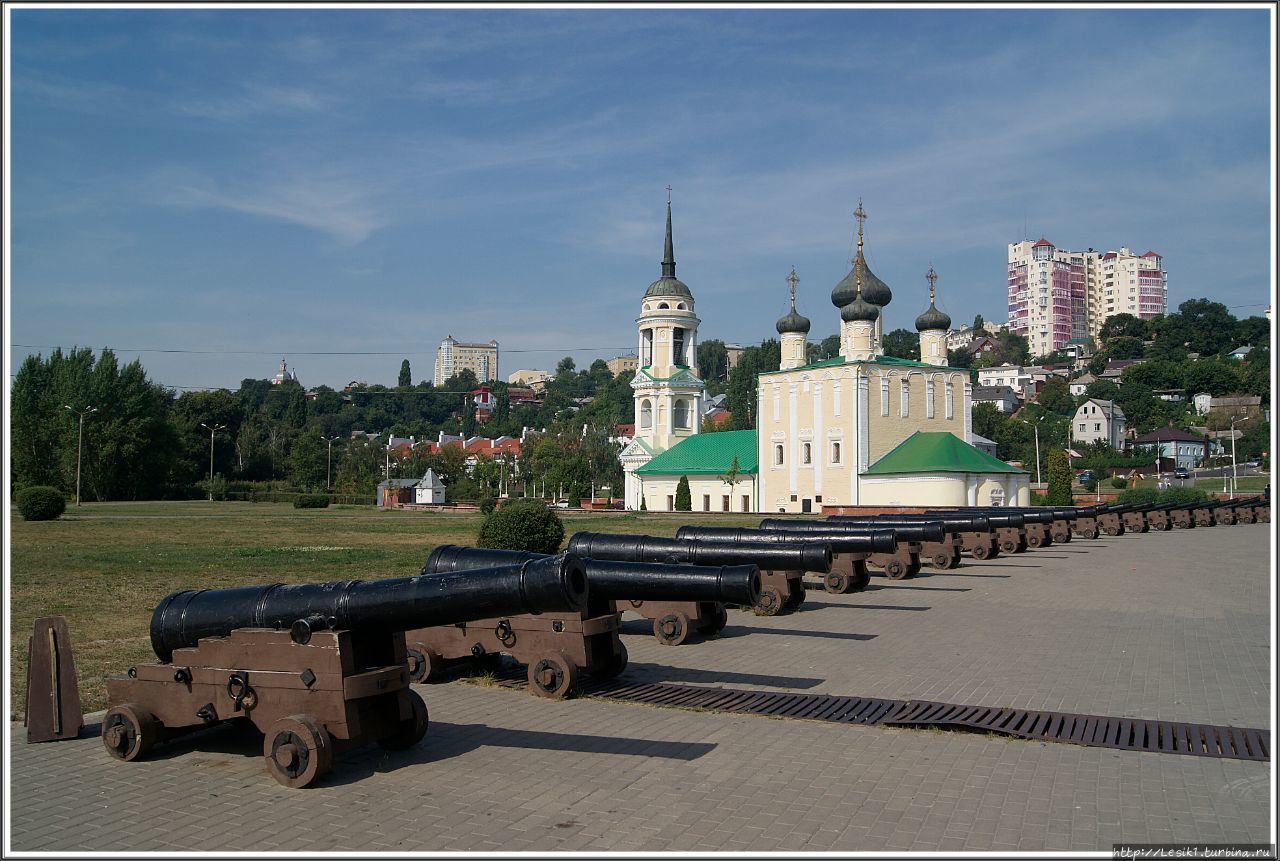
[320,352]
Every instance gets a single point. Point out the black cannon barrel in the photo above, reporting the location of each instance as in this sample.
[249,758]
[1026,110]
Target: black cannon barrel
[822,529]
[1029,515]
[769,555]
[874,541]
[553,584]
[950,522]
[611,580]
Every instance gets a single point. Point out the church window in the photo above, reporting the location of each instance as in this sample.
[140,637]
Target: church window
[806,454]
[997,497]
[777,455]
[835,452]
[646,345]
[646,414]
[680,306]
[904,405]
[662,306]
[950,402]
[677,346]
[928,399]
[706,502]
[681,414]
[884,396]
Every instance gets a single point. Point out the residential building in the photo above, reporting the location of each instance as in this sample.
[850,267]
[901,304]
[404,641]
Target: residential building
[981,443]
[1079,384]
[733,352]
[1004,398]
[1026,381]
[1174,447]
[619,364]
[1115,368]
[1057,296]
[1240,352]
[1097,419]
[526,376]
[1237,406]
[453,357]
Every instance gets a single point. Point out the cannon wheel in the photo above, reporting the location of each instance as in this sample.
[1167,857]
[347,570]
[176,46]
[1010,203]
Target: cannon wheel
[770,602]
[837,583]
[553,676]
[614,666]
[896,569]
[941,560]
[1034,540]
[1008,545]
[671,629]
[298,750]
[129,731]
[717,622]
[412,729]
[980,552]
[796,593]
[424,664]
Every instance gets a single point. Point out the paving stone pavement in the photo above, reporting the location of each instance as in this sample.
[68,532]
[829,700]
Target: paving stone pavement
[1171,626]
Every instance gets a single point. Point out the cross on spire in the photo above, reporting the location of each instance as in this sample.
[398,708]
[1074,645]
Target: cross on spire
[933,277]
[793,280]
[668,195]
[861,215]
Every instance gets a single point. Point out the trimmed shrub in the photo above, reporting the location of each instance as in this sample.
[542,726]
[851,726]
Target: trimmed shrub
[311,500]
[1139,494]
[1059,490]
[522,524]
[1119,482]
[1183,494]
[684,500]
[40,502]
[488,503]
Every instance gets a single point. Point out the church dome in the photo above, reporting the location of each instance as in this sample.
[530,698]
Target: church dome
[874,290]
[932,319]
[859,309]
[793,323]
[668,287]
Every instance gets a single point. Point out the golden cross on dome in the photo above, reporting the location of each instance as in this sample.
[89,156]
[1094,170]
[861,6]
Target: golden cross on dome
[932,276]
[793,280]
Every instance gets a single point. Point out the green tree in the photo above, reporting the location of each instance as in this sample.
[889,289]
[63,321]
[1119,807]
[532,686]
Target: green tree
[1125,347]
[741,393]
[1012,347]
[683,500]
[1213,375]
[405,379]
[1055,397]
[979,325]
[308,461]
[1122,325]
[902,344]
[1059,478]
[1254,331]
[713,364]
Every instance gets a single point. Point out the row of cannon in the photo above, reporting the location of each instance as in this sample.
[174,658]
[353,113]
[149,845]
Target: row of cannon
[322,667]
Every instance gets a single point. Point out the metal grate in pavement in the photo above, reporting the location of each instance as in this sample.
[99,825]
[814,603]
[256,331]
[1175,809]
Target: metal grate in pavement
[1225,742]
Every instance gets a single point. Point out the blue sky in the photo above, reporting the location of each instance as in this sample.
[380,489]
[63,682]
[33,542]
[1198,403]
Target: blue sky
[256,182]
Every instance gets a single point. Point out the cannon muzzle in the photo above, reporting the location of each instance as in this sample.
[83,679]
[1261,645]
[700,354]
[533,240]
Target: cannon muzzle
[768,555]
[553,584]
[611,580]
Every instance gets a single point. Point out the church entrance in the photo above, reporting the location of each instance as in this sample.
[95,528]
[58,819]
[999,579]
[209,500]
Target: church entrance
[806,506]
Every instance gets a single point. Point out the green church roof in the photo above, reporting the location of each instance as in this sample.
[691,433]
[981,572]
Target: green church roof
[707,454]
[937,451]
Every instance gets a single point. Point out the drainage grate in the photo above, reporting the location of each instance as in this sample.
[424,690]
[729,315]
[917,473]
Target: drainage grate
[1091,730]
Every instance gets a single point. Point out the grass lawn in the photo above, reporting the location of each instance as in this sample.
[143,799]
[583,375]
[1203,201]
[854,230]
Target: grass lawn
[105,566]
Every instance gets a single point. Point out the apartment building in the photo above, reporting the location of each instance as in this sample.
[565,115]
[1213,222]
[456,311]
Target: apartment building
[453,357]
[1057,295]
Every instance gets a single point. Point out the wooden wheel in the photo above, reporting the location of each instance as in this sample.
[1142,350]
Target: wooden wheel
[298,750]
[425,665]
[1008,545]
[412,728]
[671,629]
[553,676]
[1034,540]
[941,560]
[129,731]
[895,569]
[980,552]
[614,666]
[837,583]
[769,603]
[719,618]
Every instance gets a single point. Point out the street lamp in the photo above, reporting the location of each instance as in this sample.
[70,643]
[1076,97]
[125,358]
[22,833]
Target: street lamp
[1036,427]
[1234,419]
[80,443]
[212,430]
[328,476]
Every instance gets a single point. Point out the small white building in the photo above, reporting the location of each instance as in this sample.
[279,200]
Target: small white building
[1079,384]
[429,490]
[1099,420]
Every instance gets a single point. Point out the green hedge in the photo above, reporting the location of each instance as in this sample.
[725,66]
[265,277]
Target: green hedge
[311,500]
[40,502]
[522,524]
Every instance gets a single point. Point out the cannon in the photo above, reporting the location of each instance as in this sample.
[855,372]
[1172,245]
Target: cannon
[849,553]
[901,563]
[557,647]
[782,566]
[1037,525]
[1086,523]
[1009,526]
[1182,516]
[318,667]
[1109,519]
[972,534]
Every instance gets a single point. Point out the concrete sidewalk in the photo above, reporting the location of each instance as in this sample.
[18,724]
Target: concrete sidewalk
[1171,626]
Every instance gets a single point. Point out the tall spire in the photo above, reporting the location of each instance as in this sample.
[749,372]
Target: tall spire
[861,215]
[793,280]
[669,258]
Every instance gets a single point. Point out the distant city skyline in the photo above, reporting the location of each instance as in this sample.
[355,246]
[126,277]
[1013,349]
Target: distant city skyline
[211,189]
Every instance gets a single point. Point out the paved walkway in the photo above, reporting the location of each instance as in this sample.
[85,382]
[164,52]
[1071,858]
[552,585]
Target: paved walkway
[1172,626]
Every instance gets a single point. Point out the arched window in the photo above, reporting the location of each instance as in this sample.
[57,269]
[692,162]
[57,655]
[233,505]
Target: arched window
[646,414]
[950,402]
[646,347]
[681,413]
[997,496]
[904,406]
[662,306]
[884,396]
[928,399]
[777,455]
[806,454]
[677,346]
[835,452]
[679,306]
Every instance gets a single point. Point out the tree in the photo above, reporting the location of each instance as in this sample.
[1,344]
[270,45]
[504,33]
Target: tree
[405,379]
[741,393]
[713,364]
[1055,396]
[959,358]
[683,500]
[1060,478]
[1125,347]
[1122,325]
[1214,375]
[308,461]
[1013,348]
[1254,331]
[565,366]
[902,344]
[979,325]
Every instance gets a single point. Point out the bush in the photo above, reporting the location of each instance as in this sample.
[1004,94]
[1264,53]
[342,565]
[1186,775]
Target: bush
[1183,494]
[311,500]
[1119,482]
[522,524]
[1090,486]
[40,502]
[1059,490]
[488,503]
[684,499]
[1039,498]
[1139,494]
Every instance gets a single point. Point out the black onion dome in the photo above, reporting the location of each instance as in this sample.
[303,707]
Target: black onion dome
[874,290]
[932,319]
[793,323]
[859,309]
[846,291]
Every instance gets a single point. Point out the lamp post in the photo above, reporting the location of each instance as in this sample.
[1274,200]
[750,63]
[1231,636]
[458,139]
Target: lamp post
[1233,455]
[1036,427]
[212,430]
[328,476]
[80,443]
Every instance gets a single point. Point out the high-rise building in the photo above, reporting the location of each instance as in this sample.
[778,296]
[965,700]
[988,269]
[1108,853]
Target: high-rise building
[1057,296]
[453,357]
